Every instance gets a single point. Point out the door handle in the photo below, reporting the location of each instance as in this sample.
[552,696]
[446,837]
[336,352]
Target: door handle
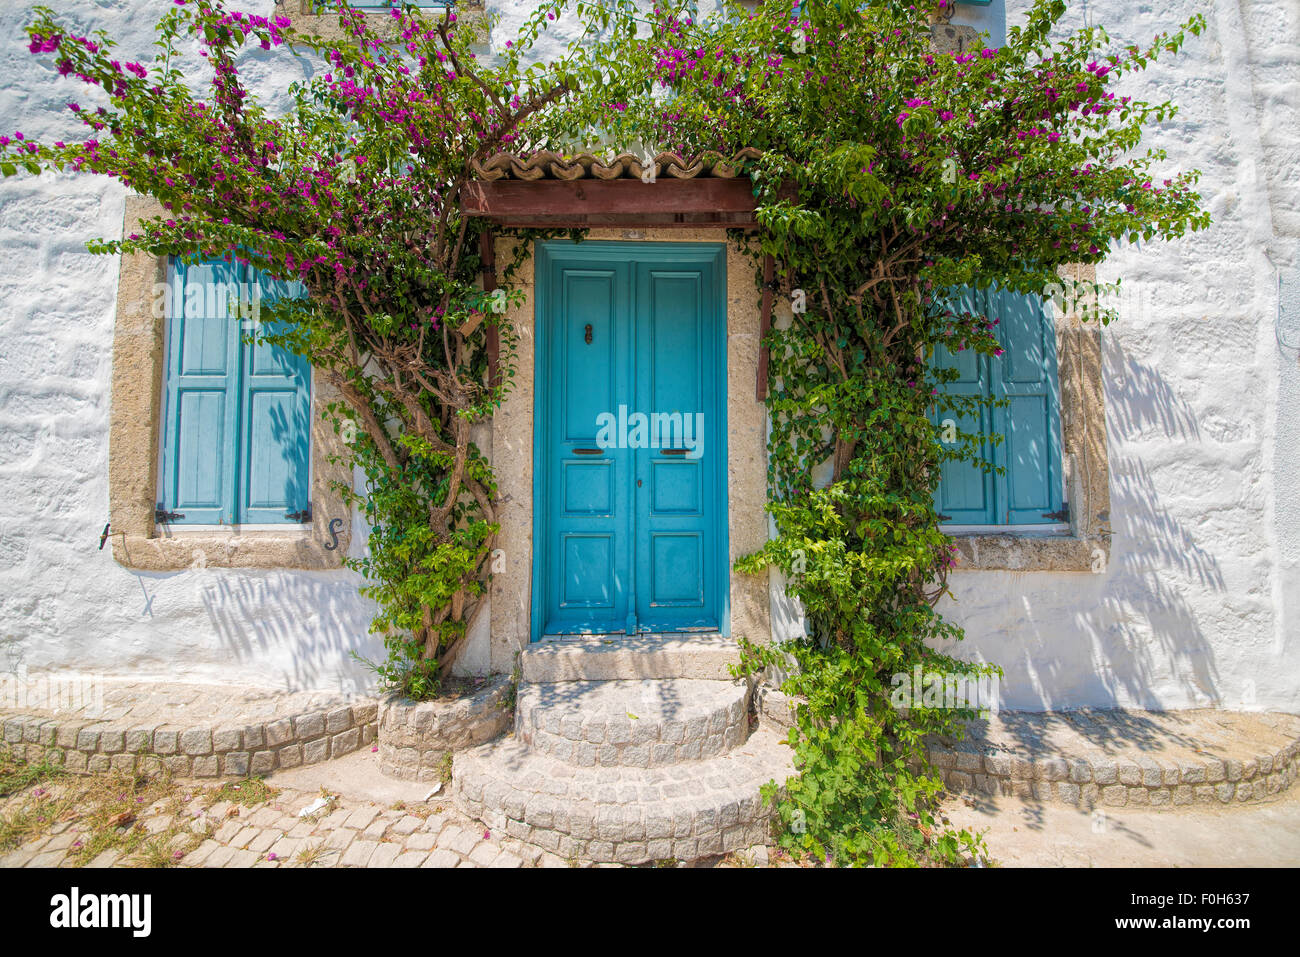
[588,451]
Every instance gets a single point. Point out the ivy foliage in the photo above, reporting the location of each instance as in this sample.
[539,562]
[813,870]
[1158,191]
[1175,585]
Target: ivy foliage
[891,176]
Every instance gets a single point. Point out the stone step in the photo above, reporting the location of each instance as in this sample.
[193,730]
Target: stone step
[1115,758]
[641,724]
[705,657]
[620,814]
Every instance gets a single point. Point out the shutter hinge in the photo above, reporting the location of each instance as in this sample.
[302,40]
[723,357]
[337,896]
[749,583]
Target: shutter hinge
[161,515]
[1062,516]
[303,516]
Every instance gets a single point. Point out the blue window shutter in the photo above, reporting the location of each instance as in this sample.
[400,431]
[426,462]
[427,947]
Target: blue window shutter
[966,493]
[1025,375]
[202,395]
[275,399]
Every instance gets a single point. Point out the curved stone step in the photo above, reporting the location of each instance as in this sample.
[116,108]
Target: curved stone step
[640,724]
[619,814]
[1122,758]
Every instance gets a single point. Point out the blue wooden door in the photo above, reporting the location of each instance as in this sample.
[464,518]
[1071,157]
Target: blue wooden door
[630,503]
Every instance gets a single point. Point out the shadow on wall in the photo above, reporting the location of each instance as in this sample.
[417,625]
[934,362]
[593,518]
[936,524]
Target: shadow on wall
[307,630]
[1145,634]
[1131,635]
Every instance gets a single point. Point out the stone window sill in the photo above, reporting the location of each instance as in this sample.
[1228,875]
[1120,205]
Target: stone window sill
[201,548]
[1048,551]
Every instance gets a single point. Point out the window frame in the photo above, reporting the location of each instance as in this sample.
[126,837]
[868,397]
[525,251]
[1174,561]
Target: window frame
[1083,543]
[135,439]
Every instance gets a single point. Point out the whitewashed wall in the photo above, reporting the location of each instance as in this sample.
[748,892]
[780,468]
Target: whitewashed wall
[1199,606]
[64,603]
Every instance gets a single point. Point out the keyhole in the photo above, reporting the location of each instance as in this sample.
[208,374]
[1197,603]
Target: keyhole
[587,334]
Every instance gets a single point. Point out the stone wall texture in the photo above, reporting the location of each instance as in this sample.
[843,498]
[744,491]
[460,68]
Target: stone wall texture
[417,738]
[1245,758]
[229,749]
[1196,605]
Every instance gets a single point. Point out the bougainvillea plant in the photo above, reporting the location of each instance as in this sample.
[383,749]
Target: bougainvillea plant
[350,184]
[915,173]
[891,175]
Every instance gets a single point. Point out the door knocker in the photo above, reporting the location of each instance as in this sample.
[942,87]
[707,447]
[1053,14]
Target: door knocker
[586,335]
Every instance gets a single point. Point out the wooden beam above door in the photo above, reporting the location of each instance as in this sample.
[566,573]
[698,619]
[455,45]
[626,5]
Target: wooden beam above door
[668,203]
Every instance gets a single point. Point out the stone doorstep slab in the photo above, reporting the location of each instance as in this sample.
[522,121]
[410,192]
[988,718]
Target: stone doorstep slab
[1126,758]
[706,657]
[638,723]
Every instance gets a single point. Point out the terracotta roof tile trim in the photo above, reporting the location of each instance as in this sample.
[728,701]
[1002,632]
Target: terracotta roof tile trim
[548,165]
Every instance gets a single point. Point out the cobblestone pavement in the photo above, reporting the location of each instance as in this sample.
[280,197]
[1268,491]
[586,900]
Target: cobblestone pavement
[354,831]
[377,823]
[345,833]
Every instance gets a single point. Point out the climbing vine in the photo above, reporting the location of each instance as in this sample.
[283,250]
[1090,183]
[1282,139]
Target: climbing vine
[891,177]
[350,183]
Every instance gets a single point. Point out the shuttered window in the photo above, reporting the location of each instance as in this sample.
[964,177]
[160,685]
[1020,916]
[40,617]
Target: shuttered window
[236,424]
[1029,492]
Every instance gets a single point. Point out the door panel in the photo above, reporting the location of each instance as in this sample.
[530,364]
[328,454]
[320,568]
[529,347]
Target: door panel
[587,579]
[677,377]
[630,441]
[588,568]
